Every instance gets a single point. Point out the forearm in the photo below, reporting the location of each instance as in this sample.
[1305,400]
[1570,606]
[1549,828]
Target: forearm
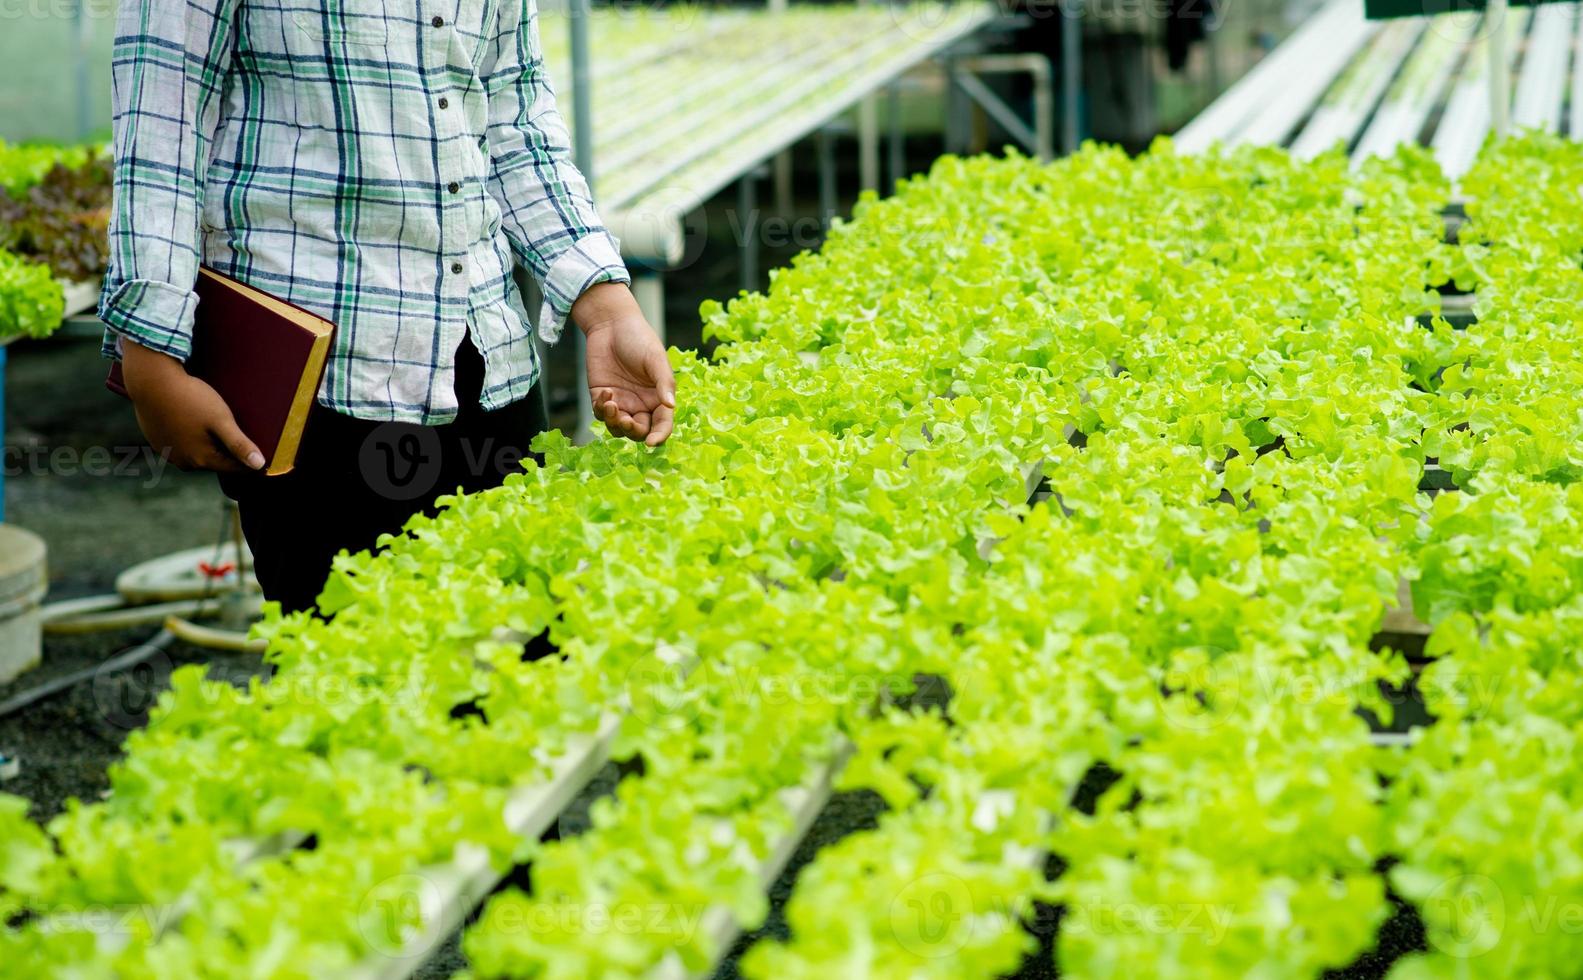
[169,65]
[146,369]
[553,227]
[604,304]
[547,210]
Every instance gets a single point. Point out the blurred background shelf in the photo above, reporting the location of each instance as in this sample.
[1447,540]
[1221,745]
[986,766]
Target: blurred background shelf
[1372,86]
[81,297]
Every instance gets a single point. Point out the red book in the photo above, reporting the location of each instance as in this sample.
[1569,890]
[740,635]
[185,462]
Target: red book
[263,355]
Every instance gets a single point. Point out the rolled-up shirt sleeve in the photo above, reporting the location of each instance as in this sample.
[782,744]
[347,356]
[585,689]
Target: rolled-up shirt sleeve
[547,212]
[170,61]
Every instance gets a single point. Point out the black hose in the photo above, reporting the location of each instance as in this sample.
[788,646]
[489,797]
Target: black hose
[121,661]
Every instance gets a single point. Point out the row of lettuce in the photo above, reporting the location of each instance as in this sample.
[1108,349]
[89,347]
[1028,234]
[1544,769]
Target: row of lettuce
[54,211]
[1217,361]
[1008,302]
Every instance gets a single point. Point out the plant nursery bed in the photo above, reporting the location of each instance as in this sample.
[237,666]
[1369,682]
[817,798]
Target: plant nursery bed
[65,742]
[839,517]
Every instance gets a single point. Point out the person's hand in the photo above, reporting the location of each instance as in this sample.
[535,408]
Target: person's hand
[183,418]
[629,378]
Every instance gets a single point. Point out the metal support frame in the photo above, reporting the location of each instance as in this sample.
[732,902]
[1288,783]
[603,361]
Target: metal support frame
[716,166]
[896,153]
[1495,14]
[956,109]
[1039,138]
[747,225]
[868,143]
[783,159]
[648,288]
[2,430]
[1071,74]
[781,167]
[657,234]
[583,156]
[827,188]
[868,136]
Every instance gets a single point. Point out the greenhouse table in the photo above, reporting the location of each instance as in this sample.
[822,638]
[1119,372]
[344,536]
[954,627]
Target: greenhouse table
[1373,86]
[678,122]
[3,345]
[79,296]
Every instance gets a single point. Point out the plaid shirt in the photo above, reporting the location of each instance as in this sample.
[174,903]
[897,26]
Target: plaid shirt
[377,162]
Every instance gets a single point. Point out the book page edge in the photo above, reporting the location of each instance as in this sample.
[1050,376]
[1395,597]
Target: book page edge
[284,459]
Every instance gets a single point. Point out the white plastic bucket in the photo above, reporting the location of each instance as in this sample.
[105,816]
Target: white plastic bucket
[23,582]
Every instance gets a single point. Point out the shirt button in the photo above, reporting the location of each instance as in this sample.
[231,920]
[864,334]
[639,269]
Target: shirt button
[453,187]
[456,267]
[444,102]
[438,21]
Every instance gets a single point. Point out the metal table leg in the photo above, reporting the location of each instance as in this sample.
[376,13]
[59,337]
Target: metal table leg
[747,225]
[897,153]
[3,462]
[826,177]
[1071,74]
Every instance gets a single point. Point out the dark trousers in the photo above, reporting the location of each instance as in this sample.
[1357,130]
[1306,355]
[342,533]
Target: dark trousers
[355,480]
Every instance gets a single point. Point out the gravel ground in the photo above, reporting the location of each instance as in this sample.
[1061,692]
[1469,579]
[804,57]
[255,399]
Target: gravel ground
[66,742]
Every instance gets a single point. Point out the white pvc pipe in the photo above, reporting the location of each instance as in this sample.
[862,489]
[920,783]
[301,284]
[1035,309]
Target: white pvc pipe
[1500,68]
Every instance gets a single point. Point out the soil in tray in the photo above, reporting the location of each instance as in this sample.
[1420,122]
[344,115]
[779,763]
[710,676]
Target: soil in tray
[846,813]
[66,742]
[1399,935]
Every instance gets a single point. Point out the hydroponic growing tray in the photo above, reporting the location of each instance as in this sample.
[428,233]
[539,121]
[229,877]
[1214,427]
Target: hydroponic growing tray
[687,99]
[1373,85]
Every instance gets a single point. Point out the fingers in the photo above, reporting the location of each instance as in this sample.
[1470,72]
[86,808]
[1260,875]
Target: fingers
[643,416]
[629,400]
[182,461]
[633,426]
[658,367]
[660,428]
[616,421]
[607,410]
[619,420]
[220,461]
[241,449]
[211,458]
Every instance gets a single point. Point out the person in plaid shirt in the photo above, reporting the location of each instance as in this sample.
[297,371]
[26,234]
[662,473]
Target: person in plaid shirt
[383,163]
